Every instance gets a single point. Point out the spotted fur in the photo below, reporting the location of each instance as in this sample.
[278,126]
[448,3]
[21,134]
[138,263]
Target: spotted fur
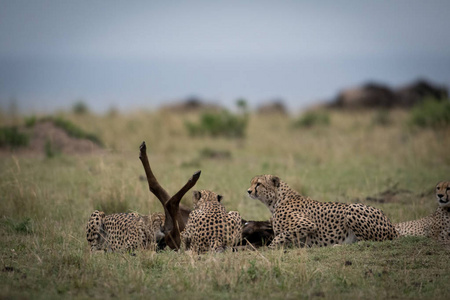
[304,222]
[436,225]
[209,226]
[124,231]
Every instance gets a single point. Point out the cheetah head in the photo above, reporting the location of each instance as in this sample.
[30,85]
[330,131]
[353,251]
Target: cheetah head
[443,193]
[204,197]
[264,188]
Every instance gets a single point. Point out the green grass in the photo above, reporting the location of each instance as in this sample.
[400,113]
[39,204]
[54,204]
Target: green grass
[45,204]
[431,113]
[220,124]
[11,137]
[313,118]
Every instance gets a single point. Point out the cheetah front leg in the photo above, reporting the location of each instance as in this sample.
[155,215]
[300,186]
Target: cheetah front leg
[299,229]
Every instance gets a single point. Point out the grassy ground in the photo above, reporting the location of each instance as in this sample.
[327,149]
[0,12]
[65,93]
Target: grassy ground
[45,203]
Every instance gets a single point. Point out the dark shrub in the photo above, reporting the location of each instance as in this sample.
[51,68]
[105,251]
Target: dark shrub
[431,113]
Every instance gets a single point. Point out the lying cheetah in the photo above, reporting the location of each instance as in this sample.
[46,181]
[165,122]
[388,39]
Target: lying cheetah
[301,221]
[124,231]
[209,226]
[436,225]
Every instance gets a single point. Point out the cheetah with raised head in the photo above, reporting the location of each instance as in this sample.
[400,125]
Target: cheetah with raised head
[209,226]
[304,222]
[123,231]
[436,225]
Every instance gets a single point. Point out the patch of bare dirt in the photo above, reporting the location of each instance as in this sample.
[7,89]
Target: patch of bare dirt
[45,137]
[391,195]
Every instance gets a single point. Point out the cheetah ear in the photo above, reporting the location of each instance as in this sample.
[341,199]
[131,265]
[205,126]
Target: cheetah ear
[276,181]
[219,198]
[196,195]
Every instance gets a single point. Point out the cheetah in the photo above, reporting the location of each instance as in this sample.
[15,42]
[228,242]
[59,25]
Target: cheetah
[123,231]
[436,225]
[302,221]
[209,226]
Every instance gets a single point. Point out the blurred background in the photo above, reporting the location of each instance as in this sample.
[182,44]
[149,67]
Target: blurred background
[143,54]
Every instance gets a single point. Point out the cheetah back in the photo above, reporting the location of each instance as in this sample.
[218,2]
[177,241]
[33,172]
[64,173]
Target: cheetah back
[209,226]
[123,231]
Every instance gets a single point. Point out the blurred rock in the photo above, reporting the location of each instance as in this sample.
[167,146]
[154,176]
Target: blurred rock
[374,95]
[414,93]
[192,104]
[370,95]
[273,107]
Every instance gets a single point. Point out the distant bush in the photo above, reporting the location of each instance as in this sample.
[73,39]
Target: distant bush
[431,113]
[30,121]
[242,105]
[80,108]
[313,118]
[223,123]
[11,136]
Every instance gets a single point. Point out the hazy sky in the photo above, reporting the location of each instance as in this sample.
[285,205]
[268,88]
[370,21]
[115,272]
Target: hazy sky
[142,53]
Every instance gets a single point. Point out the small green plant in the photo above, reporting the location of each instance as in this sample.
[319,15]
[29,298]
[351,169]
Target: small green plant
[50,150]
[242,105]
[431,113]
[30,121]
[24,226]
[252,271]
[12,137]
[80,108]
[313,118]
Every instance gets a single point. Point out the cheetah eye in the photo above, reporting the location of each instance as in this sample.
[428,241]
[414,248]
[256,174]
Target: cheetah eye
[258,184]
[438,188]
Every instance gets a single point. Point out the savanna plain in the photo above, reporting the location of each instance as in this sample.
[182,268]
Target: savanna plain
[373,157]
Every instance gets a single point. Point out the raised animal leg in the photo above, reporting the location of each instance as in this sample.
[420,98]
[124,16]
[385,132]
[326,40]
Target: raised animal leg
[173,238]
[175,219]
[153,183]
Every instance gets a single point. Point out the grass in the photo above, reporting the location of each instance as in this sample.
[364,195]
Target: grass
[11,137]
[313,118]
[432,113]
[45,205]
